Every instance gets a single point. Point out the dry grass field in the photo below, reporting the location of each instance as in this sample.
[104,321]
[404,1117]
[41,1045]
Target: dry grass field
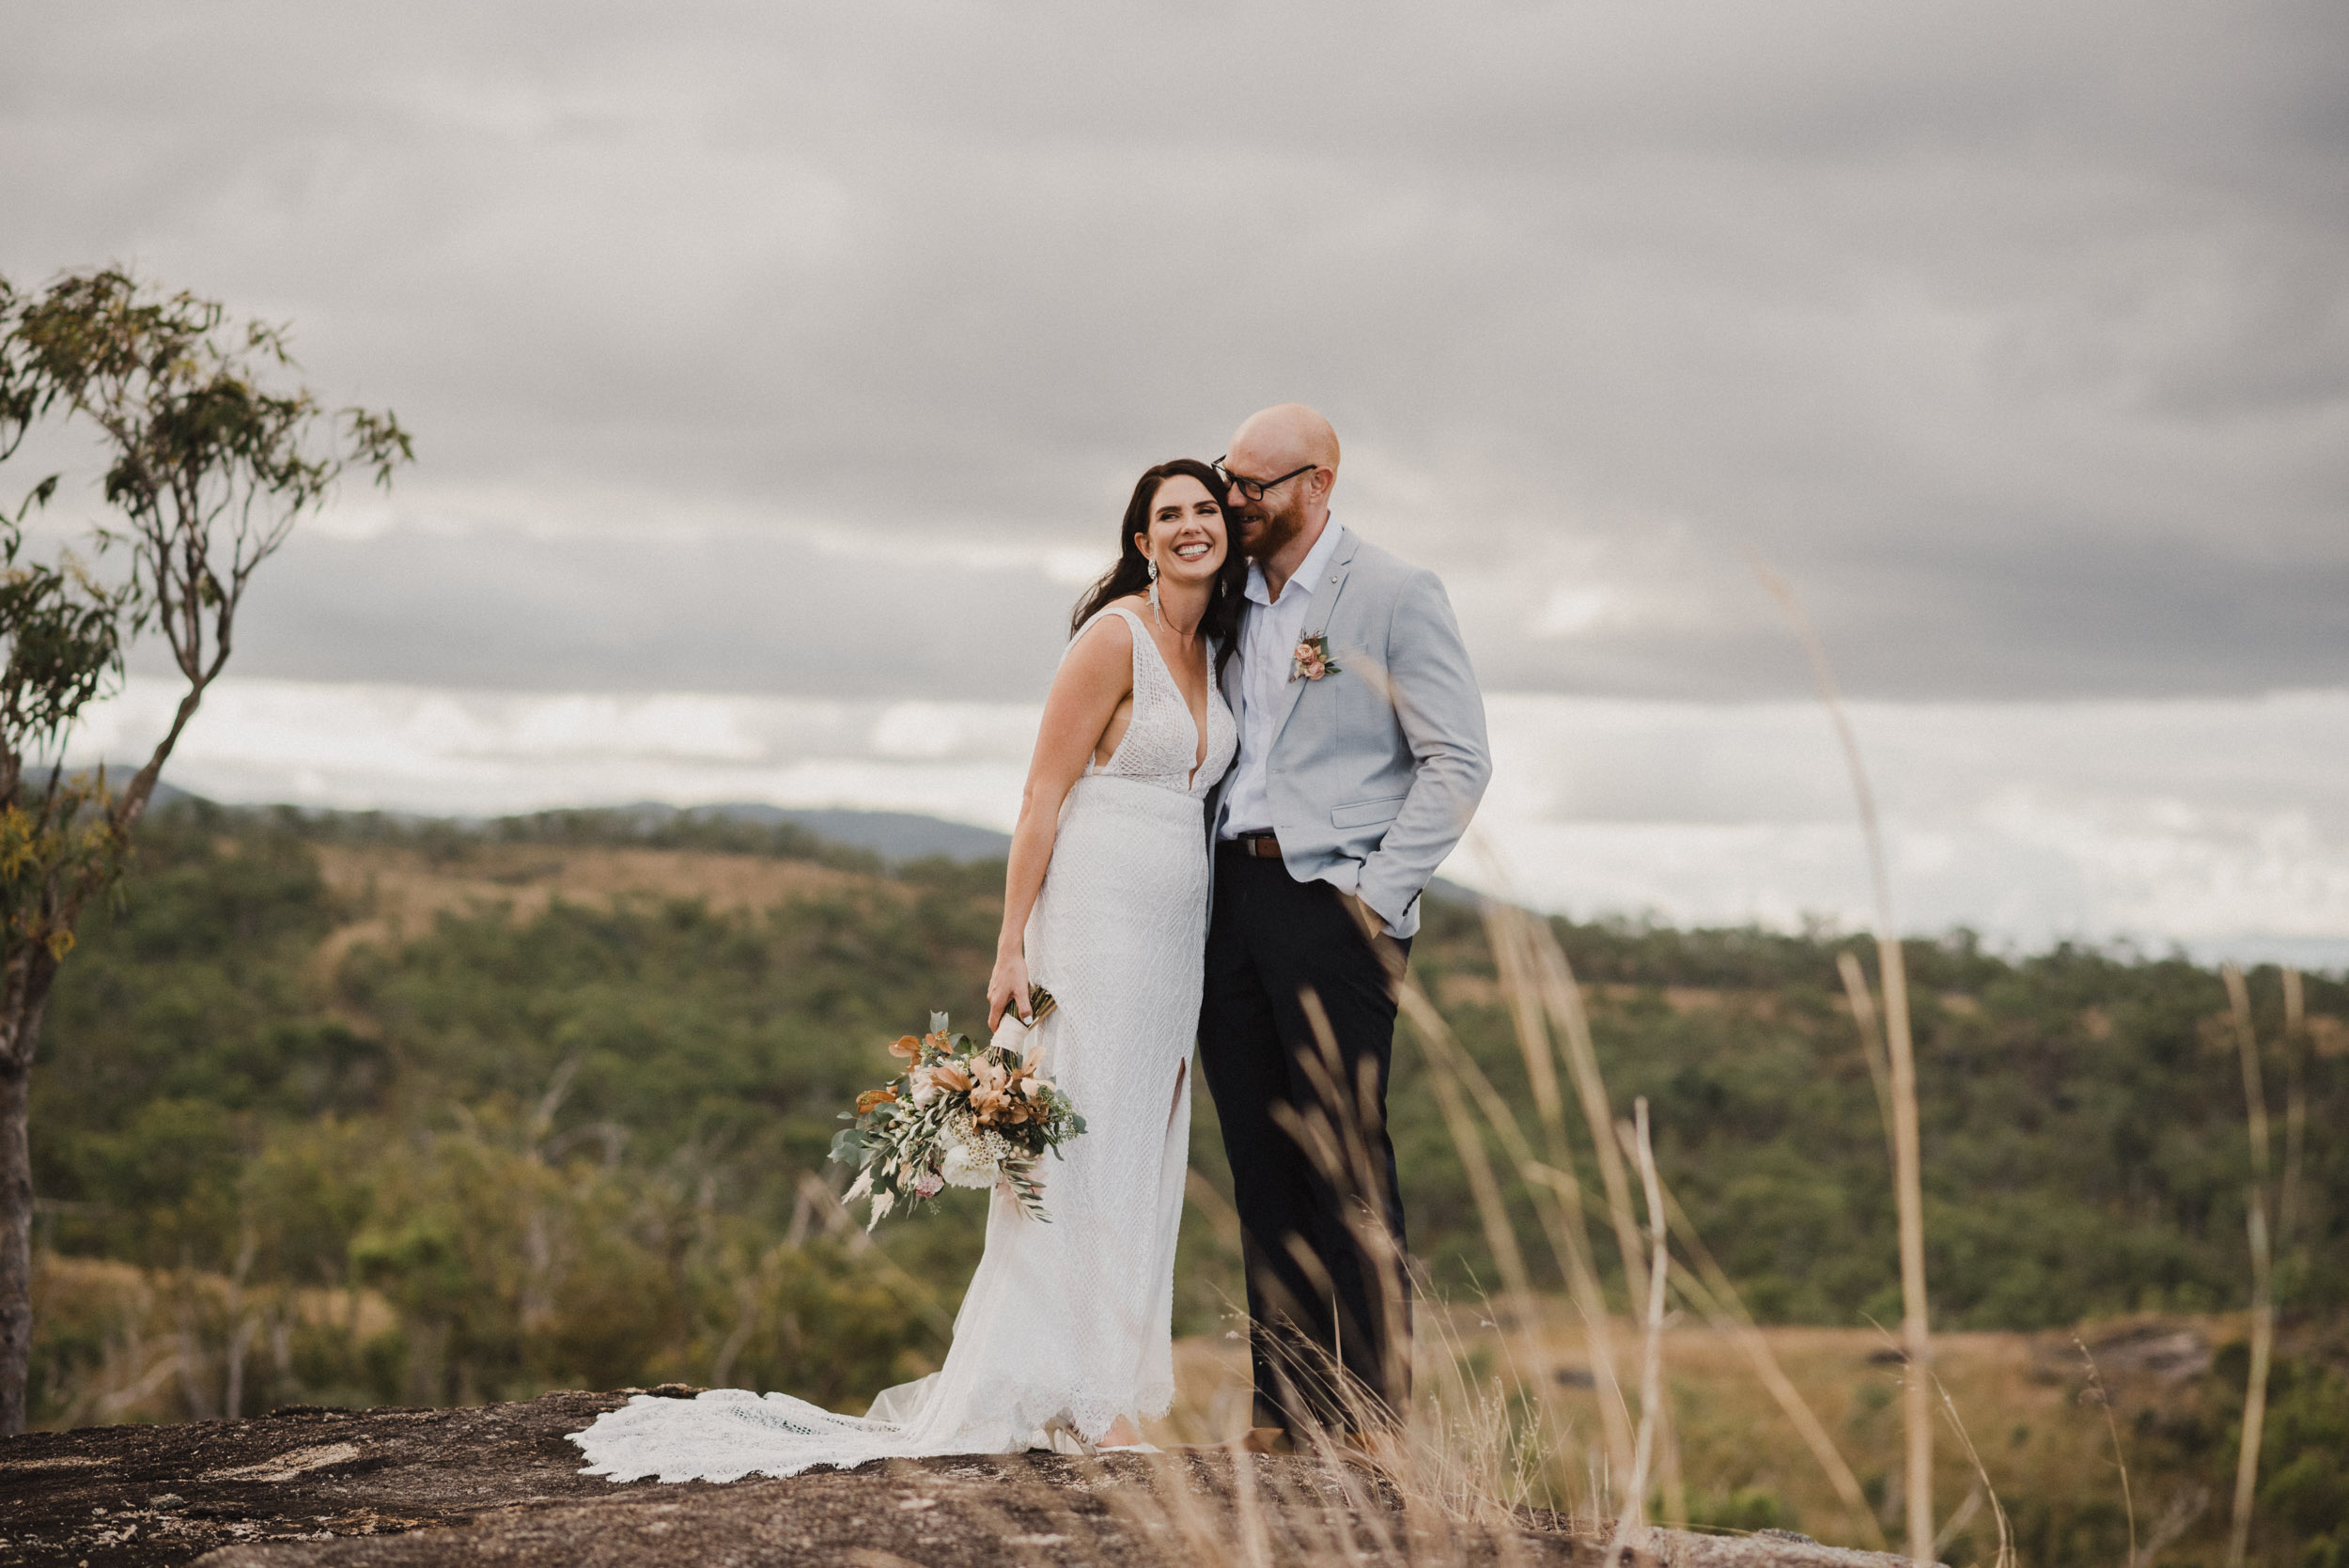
[2028,1401]
[395,892]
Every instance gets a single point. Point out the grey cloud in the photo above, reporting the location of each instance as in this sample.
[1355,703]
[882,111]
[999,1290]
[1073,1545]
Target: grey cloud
[2018,335]
[724,613]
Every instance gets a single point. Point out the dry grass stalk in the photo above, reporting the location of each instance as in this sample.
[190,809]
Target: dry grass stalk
[1508,929]
[2112,1429]
[1517,937]
[1711,1292]
[2262,1282]
[1221,1217]
[2255,1391]
[1960,1516]
[1335,1134]
[1483,1454]
[1422,1466]
[1448,1069]
[2175,1521]
[2295,1111]
[1863,1012]
[1467,1457]
[2254,1082]
[1981,1477]
[1491,1210]
[1651,1357]
[1671,1485]
[1909,1173]
[1562,999]
[1557,1196]
[1513,958]
[1907,1161]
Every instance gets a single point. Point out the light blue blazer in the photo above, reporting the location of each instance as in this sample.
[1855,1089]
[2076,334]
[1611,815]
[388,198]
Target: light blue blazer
[1378,767]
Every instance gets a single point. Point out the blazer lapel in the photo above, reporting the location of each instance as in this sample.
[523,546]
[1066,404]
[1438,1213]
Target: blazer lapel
[1232,666]
[1317,622]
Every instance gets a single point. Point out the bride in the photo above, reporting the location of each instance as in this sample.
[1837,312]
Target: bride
[1066,1331]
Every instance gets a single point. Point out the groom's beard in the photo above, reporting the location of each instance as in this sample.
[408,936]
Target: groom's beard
[1264,528]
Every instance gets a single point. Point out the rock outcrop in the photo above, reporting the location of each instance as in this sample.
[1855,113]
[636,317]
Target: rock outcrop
[498,1484]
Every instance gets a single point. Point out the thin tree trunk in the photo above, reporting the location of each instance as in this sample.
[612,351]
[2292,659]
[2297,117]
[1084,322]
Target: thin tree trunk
[31,974]
[27,1000]
[16,1239]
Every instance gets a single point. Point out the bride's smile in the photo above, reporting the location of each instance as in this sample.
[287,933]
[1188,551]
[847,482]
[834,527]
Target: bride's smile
[1186,536]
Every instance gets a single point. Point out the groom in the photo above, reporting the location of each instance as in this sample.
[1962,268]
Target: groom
[1362,758]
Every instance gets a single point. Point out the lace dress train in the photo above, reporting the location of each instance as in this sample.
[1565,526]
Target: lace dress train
[1068,1323]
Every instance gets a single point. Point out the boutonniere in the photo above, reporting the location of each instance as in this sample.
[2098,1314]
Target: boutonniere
[1312,659]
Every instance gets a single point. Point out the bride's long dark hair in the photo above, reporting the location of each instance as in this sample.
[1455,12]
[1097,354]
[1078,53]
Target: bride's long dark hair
[1131,575]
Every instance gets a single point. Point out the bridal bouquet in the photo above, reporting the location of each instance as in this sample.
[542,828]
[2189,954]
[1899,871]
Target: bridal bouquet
[959,1115]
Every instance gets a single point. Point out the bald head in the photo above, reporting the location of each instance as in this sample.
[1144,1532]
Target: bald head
[1292,453]
[1288,435]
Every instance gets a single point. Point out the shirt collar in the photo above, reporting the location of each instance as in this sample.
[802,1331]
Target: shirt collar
[1308,572]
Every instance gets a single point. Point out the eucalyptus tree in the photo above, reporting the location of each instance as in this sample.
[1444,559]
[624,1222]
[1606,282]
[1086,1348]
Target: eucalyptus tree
[211,454]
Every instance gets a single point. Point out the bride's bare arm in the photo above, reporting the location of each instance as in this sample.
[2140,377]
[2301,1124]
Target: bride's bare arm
[1093,679]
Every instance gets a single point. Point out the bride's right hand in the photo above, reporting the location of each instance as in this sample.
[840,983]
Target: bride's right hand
[1007,988]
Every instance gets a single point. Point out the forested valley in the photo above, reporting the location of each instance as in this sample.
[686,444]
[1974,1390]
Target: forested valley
[345,1109]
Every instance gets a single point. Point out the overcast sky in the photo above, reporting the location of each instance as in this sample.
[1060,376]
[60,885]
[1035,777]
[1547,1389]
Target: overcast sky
[2018,333]
[806,352]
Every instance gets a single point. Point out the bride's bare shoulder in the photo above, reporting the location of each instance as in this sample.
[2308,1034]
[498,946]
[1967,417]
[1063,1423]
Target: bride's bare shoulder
[1113,631]
[1138,603]
[1104,650]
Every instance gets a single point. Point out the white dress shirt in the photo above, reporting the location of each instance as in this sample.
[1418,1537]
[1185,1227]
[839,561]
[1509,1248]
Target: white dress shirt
[1268,648]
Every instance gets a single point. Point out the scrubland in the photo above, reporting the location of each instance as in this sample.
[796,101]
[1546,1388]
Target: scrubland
[343,1111]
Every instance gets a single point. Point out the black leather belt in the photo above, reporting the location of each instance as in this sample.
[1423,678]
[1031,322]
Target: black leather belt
[1261,846]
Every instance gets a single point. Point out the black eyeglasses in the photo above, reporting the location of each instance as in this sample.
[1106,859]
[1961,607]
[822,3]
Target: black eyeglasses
[1253,489]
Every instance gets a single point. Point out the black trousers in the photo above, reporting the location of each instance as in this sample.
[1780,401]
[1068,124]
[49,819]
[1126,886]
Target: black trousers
[1345,1303]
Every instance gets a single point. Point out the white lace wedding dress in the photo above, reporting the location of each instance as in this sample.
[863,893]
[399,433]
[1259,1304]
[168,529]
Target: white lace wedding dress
[1067,1324]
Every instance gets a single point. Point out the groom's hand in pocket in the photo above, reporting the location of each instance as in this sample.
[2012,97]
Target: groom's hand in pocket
[1372,925]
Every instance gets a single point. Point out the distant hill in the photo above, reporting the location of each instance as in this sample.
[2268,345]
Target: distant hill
[894,835]
[897,835]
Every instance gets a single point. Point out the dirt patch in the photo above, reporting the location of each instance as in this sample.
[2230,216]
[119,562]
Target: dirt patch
[498,1483]
[403,890]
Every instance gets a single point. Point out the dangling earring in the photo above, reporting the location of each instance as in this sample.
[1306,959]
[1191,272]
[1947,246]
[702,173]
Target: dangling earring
[1154,592]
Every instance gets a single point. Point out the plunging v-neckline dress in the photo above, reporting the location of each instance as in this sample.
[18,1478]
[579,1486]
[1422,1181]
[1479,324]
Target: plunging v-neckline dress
[1067,1324]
